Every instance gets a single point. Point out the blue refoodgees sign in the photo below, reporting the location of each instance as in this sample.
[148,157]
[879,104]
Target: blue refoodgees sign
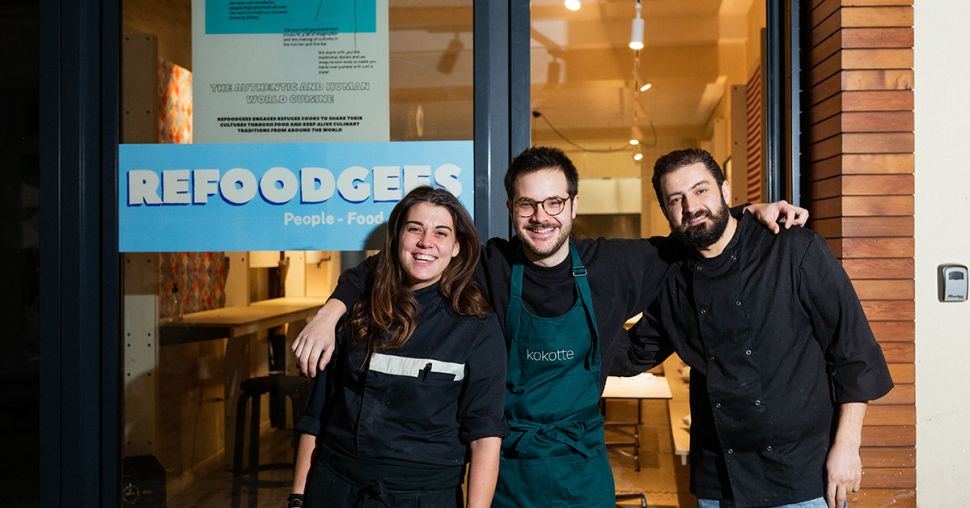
[277,196]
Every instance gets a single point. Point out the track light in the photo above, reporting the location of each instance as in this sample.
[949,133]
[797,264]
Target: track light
[638,156]
[572,5]
[636,32]
[646,86]
[635,135]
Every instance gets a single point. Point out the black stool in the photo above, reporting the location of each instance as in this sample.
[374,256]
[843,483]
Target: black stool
[293,387]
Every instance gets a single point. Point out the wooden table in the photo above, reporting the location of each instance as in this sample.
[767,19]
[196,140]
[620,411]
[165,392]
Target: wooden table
[240,325]
[678,407]
[639,387]
[235,322]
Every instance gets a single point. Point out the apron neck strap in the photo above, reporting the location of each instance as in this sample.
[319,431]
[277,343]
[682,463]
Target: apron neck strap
[585,295]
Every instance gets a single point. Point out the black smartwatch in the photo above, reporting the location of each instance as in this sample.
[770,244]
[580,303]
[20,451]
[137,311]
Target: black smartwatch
[294,501]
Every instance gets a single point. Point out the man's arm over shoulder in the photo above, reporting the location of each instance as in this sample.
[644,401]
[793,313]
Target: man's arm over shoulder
[855,361]
[495,266]
[642,347]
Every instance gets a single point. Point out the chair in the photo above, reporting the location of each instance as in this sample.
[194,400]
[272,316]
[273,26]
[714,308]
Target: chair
[293,387]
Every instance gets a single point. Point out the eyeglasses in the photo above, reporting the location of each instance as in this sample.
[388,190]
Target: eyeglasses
[552,206]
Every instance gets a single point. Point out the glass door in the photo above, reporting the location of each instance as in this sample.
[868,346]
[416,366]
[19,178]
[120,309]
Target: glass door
[263,146]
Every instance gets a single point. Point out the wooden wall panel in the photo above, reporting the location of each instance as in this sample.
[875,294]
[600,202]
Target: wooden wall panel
[897,498]
[899,352]
[894,330]
[879,436]
[848,248]
[889,457]
[858,144]
[891,289]
[900,394]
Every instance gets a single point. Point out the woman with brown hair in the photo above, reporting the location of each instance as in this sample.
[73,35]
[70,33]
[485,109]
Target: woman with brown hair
[419,378]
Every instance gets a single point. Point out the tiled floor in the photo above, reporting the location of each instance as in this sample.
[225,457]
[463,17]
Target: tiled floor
[661,477]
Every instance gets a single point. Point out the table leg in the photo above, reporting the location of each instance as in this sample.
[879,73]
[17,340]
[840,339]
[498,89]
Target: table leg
[636,433]
[236,371]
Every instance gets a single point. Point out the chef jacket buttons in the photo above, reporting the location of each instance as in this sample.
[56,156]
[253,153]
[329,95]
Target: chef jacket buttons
[768,448]
[738,303]
[703,310]
[717,405]
[700,267]
[757,402]
[730,451]
[733,257]
[712,358]
[747,352]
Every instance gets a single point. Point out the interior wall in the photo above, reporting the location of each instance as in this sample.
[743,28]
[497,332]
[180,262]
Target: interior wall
[171,21]
[756,21]
[942,187]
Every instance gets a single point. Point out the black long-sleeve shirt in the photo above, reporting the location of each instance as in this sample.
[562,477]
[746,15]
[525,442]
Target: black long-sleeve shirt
[420,403]
[776,338]
[624,277]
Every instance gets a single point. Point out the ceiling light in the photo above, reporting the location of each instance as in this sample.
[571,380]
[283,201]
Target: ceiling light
[646,86]
[637,156]
[636,32]
[635,135]
[572,5]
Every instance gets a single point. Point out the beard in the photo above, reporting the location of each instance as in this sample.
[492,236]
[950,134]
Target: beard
[547,250]
[704,235]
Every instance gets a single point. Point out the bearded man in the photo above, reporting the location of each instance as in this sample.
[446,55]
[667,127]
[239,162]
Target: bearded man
[783,362]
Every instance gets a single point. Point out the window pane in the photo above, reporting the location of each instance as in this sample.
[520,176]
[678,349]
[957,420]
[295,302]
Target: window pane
[199,322]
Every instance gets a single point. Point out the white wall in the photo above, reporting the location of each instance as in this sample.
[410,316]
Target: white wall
[942,95]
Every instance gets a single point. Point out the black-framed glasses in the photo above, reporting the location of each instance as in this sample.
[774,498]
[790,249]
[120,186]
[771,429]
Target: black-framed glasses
[552,206]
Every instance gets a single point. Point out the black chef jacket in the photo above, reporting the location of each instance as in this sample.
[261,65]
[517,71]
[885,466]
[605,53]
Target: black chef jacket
[420,403]
[624,277]
[776,338]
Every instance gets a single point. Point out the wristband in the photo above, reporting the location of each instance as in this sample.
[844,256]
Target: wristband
[294,501]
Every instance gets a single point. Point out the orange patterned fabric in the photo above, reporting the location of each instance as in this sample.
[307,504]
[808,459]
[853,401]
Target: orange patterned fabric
[199,276]
[175,106]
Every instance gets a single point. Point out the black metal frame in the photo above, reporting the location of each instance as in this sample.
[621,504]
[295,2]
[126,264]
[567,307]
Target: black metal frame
[501,32]
[782,105]
[81,375]
[80,343]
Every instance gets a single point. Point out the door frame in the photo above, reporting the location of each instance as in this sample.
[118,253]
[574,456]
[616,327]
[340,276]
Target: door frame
[81,345]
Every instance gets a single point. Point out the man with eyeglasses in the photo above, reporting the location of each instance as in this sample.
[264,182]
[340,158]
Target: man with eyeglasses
[561,302]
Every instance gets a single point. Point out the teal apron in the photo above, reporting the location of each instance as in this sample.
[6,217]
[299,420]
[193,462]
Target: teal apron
[554,455]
